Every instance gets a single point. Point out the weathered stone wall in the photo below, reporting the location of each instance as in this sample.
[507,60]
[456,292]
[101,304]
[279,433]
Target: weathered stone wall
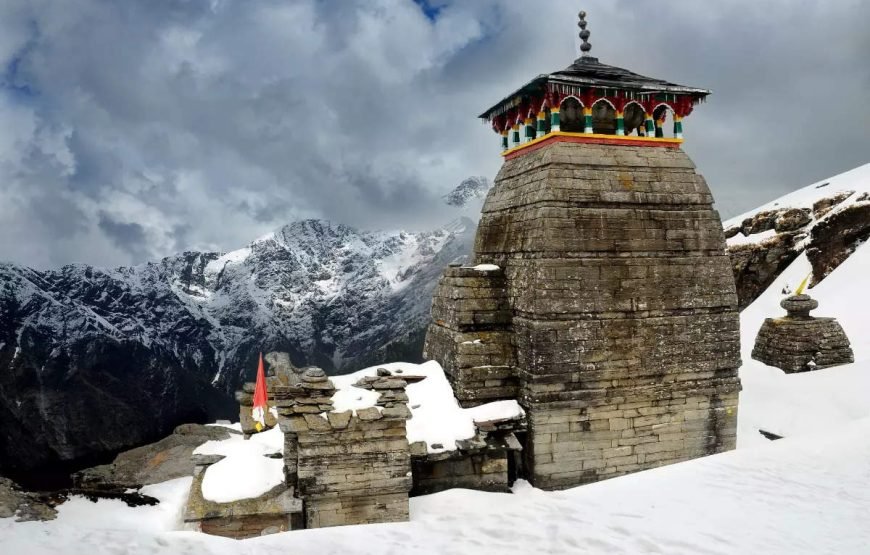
[349,468]
[277,510]
[471,336]
[353,469]
[624,313]
[240,528]
[485,471]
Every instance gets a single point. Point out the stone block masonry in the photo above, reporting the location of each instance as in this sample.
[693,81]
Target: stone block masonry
[621,309]
[799,342]
[351,467]
[471,336]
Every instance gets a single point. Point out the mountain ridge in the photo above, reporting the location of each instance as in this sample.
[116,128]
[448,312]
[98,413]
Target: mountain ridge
[95,360]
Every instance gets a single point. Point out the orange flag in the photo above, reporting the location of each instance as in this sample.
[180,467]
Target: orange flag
[261,398]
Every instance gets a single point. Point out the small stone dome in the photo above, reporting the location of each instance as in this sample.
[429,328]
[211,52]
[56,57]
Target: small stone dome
[799,342]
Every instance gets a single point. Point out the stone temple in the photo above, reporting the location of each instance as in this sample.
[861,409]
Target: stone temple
[799,342]
[600,297]
[595,334]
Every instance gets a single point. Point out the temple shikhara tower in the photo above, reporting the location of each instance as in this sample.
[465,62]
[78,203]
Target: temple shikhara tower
[601,297]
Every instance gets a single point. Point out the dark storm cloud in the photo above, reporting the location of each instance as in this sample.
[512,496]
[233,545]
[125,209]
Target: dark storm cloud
[132,130]
[130,237]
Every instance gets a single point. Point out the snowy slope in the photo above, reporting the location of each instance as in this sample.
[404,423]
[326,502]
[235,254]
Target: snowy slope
[845,191]
[856,181]
[827,220]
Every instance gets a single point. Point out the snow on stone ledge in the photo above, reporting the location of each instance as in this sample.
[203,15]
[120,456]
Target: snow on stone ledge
[756,238]
[245,471]
[241,476]
[437,419]
[496,411]
[265,443]
[486,268]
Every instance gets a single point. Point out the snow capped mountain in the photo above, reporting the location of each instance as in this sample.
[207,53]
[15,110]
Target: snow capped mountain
[472,188]
[84,349]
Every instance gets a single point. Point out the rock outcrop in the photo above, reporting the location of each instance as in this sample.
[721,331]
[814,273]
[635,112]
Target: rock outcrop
[828,229]
[22,505]
[158,462]
[836,237]
[757,265]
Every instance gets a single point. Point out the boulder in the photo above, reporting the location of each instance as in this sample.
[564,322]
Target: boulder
[792,219]
[22,505]
[164,460]
[760,222]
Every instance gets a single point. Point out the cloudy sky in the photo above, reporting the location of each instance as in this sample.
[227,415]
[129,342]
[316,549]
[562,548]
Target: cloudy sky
[133,130]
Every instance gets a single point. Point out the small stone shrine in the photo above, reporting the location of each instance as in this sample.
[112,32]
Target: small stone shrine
[337,465]
[799,342]
[602,298]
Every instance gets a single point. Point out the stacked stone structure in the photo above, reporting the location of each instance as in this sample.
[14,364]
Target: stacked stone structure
[621,300]
[473,317]
[487,462]
[281,378]
[349,467]
[799,342]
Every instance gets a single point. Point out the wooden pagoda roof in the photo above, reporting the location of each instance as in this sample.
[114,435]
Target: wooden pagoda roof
[587,71]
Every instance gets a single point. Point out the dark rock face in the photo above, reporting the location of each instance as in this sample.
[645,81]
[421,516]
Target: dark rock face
[622,304]
[95,361]
[799,342]
[164,460]
[836,237]
[757,265]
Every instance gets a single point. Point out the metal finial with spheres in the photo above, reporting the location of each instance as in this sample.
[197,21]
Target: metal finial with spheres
[584,34]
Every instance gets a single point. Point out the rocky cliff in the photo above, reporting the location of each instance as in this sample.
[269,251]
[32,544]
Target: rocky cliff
[827,220]
[95,360]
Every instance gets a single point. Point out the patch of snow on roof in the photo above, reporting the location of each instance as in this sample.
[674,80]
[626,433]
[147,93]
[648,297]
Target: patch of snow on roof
[495,411]
[437,418]
[264,443]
